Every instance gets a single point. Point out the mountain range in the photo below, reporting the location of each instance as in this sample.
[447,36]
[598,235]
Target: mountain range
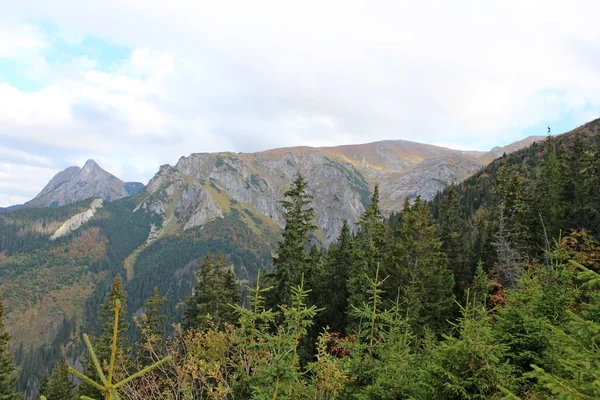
[204,186]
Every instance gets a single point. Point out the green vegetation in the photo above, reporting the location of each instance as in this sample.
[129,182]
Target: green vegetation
[8,372]
[490,291]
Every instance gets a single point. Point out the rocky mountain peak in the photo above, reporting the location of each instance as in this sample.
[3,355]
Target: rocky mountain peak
[74,184]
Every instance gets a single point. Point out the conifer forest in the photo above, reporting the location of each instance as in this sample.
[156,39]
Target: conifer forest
[491,290]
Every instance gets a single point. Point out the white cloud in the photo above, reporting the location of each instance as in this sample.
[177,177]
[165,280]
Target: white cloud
[246,76]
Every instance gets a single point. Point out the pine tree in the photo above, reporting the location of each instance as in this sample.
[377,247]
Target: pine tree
[214,293]
[152,327]
[292,259]
[104,342]
[8,372]
[60,386]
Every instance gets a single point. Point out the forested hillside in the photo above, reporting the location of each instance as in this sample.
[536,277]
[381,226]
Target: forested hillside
[487,291]
[54,288]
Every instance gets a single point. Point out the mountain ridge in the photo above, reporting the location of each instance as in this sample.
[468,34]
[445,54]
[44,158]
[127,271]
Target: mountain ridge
[199,187]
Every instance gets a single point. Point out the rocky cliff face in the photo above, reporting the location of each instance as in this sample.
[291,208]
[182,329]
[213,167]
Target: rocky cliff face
[201,187]
[74,184]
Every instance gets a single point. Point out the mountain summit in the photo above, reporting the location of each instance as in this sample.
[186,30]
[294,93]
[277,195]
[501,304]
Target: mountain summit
[74,184]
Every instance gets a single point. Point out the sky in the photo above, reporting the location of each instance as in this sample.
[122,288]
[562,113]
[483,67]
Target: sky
[135,84]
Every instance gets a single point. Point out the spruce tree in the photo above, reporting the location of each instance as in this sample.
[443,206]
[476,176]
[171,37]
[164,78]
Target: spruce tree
[44,384]
[59,386]
[341,261]
[8,372]
[418,270]
[471,364]
[151,326]
[452,235]
[292,259]
[214,293]
[371,240]
[593,183]
[548,191]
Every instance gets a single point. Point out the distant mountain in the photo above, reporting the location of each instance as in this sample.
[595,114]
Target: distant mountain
[202,187]
[74,184]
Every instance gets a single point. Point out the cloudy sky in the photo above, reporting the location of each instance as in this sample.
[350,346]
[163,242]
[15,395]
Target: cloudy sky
[138,83]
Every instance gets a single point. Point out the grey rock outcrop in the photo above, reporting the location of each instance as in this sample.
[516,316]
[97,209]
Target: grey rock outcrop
[77,220]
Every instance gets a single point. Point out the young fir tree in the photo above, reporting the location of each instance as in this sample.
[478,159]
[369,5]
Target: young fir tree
[471,364]
[8,372]
[381,362]
[418,269]
[292,259]
[59,385]
[279,374]
[214,293]
[104,342]
[152,328]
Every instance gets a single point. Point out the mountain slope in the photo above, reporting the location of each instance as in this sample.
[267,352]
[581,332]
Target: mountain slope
[74,184]
[199,188]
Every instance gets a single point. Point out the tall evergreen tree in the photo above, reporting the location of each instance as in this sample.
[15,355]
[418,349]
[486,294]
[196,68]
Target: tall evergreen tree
[372,235]
[151,326]
[60,386]
[340,263]
[292,259]
[548,191]
[44,384]
[452,235]
[593,183]
[516,204]
[214,293]
[418,270]
[8,372]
